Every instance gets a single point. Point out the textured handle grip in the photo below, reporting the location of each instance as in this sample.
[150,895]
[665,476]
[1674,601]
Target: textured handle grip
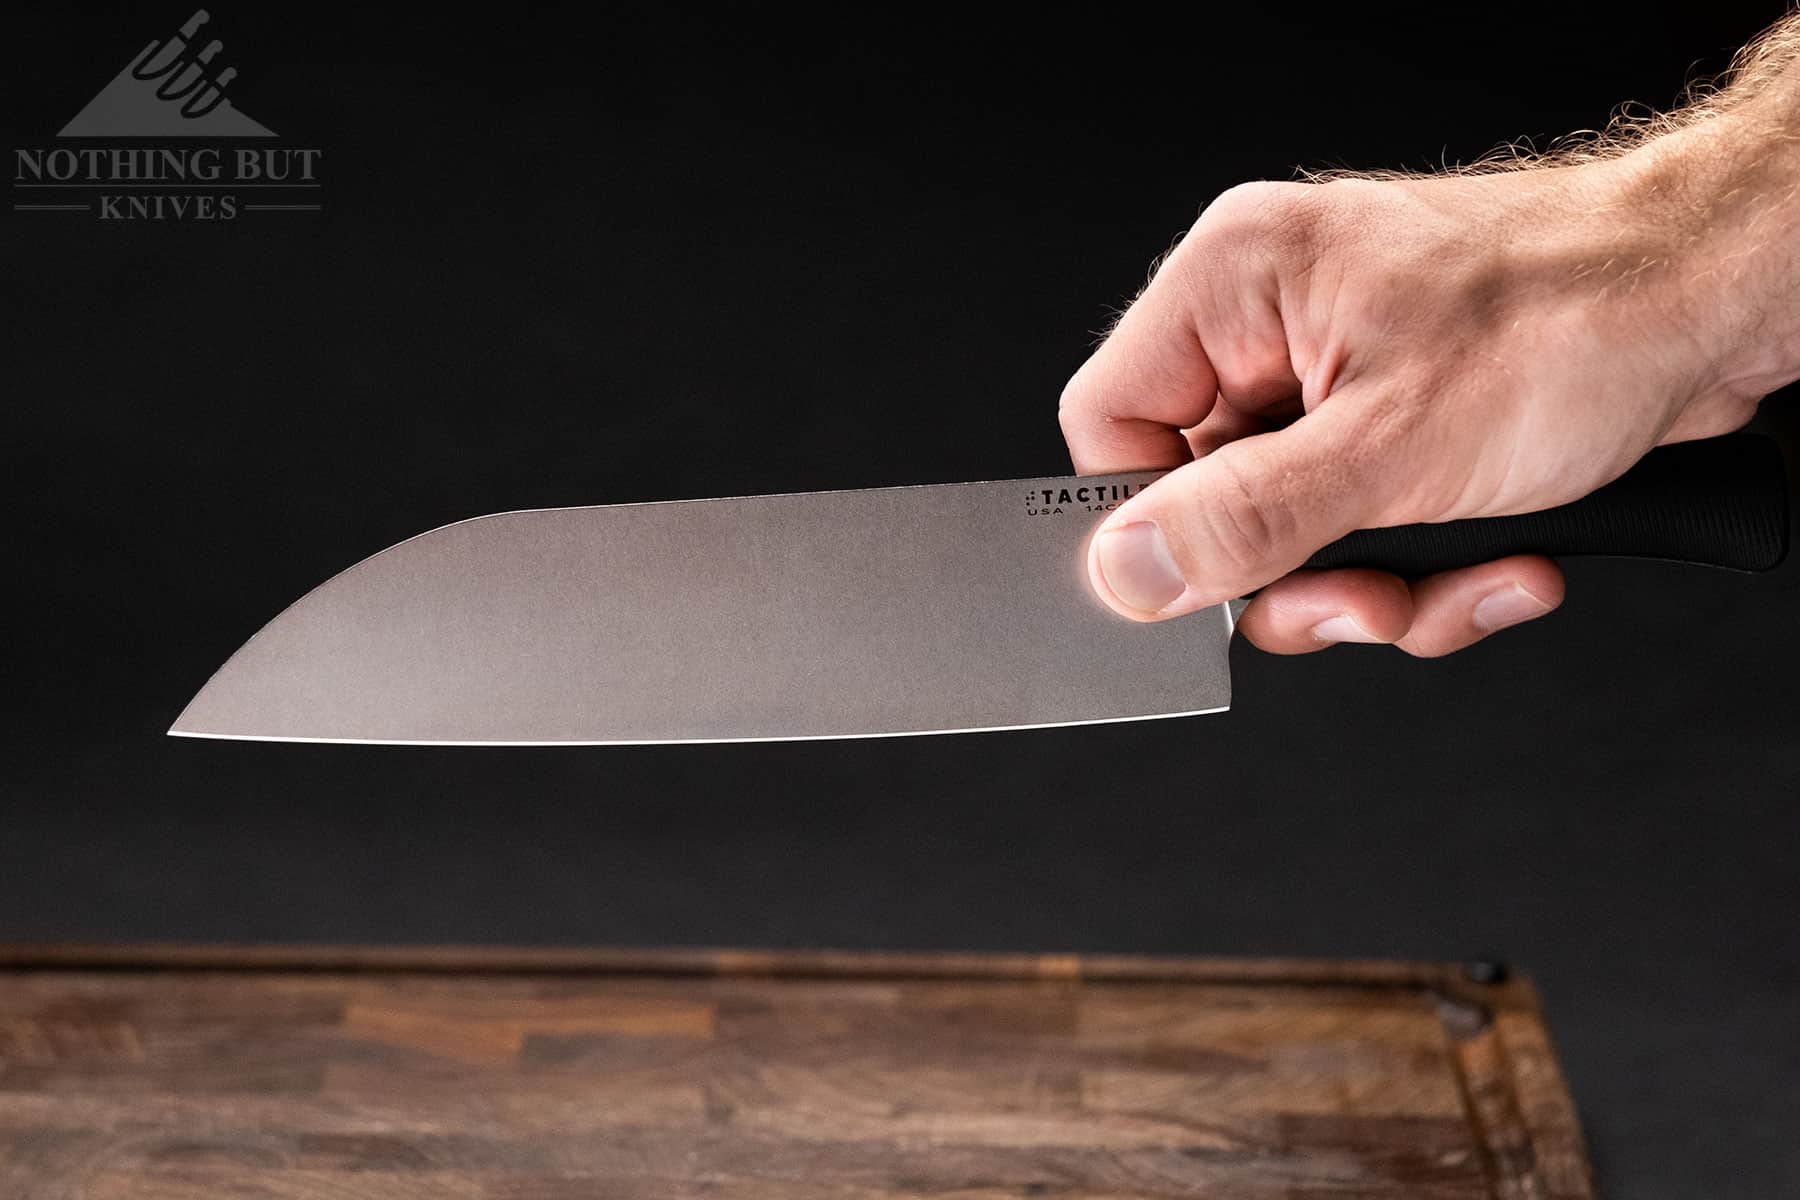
[1716,503]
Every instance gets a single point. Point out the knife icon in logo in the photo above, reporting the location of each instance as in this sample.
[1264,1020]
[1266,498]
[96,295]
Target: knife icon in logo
[170,89]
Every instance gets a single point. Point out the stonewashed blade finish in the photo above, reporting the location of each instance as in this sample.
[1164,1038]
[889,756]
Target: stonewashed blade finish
[871,613]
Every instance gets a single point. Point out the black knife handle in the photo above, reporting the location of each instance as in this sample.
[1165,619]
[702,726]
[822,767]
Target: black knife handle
[1721,502]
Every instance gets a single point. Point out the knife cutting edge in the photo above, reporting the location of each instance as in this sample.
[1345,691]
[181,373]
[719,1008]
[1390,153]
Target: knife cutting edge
[876,613]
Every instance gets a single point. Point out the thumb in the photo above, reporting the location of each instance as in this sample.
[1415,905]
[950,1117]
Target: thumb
[1244,515]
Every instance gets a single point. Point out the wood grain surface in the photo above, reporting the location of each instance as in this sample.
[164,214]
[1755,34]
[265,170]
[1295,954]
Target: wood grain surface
[132,1073]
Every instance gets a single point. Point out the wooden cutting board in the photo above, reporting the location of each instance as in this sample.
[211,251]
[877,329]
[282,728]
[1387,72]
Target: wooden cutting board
[407,1074]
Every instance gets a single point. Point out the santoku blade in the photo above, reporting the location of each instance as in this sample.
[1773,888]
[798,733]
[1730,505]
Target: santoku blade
[822,615]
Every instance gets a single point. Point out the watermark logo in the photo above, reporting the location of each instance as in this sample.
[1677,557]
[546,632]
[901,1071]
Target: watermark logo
[184,155]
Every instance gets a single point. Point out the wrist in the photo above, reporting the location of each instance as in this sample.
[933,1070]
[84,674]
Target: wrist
[1723,195]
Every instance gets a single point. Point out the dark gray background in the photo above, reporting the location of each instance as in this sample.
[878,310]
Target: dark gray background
[575,258]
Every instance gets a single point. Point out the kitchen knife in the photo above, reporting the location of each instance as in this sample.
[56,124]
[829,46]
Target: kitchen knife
[873,613]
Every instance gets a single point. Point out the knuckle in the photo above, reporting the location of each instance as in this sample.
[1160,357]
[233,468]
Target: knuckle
[1295,218]
[1259,202]
[1079,400]
[1067,405]
[1077,424]
[1275,218]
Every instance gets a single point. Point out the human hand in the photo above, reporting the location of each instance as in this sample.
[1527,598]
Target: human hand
[1317,358]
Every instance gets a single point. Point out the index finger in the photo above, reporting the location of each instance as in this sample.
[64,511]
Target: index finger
[1124,410]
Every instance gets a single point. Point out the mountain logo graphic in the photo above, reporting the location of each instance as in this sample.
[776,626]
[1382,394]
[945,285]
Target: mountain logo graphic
[169,90]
